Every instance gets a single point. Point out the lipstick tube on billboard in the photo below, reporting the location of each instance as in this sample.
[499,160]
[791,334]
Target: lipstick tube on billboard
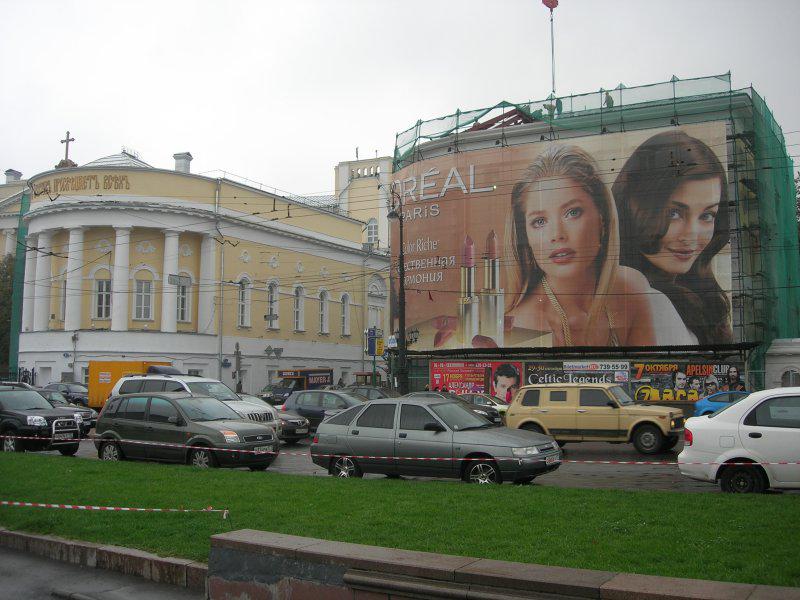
[468,302]
[492,304]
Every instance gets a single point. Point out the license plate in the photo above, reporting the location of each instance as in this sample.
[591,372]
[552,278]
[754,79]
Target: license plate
[62,436]
[262,449]
[551,460]
[301,430]
[497,419]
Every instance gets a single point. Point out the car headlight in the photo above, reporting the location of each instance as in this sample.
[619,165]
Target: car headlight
[523,452]
[231,437]
[94,414]
[78,418]
[482,412]
[39,421]
[672,424]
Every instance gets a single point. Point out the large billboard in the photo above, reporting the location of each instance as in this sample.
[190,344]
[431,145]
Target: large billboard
[619,239]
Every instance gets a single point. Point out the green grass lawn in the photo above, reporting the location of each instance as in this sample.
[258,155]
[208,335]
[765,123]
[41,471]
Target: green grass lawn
[753,539]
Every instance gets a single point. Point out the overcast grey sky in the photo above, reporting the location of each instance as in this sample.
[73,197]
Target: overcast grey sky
[282,91]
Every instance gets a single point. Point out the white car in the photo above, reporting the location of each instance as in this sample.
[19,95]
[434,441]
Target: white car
[762,430]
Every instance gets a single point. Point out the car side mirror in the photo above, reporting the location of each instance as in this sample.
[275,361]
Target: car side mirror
[612,404]
[433,427]
[177,421]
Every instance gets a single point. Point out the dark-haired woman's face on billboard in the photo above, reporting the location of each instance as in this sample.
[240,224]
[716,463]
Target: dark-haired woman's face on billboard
[563,226]
[692,211]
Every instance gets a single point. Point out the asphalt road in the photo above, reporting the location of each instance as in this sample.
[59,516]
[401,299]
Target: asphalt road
[295,460]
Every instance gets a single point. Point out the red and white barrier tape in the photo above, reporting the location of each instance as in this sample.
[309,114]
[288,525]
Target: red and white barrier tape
[209,509]
[664,463]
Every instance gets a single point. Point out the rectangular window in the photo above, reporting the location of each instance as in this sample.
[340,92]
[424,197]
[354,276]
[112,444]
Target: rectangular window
[143,307]
[102,305]
[558,396]
[594,397]
[243,304]
[183,303]
[195,372]
[531,398]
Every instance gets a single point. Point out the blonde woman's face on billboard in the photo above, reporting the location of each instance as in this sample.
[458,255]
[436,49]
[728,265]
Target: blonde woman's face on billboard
[692,211]
[563,227]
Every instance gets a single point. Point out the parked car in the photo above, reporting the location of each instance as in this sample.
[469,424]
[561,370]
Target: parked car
[196,386]
[26,413]
[182,427]
[714,402]
[762,430]
[314,404]
[59,402]
[399,434]
[291,427]
[486,400]
[77,393]
[487,412]
[371,392]
[598,412]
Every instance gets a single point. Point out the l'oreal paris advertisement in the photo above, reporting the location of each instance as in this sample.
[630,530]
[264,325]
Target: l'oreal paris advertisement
[613,240]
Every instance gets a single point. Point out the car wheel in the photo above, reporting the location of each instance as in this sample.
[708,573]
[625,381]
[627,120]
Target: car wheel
[524,481]
[70,451]
[259,468]
[742,480]
[670,443]
[648,439]
[290,442]
[532,427]
[344,466]
[482,471]
[201,458]
[11,444]
[110,451]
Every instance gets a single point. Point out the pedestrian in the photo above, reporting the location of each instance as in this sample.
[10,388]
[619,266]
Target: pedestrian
[427,388]
[340,383]
[444,389]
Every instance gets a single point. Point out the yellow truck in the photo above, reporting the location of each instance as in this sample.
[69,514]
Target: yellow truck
[103,374]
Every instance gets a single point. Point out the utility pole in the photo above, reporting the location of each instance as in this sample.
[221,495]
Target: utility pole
[237,364]
[396,212]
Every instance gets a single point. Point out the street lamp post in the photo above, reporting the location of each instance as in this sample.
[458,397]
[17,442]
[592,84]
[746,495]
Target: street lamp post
[396,212]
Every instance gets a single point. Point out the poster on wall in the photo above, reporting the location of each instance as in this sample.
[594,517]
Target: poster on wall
[500,379]
[683,381]
[611,371]
[613,240]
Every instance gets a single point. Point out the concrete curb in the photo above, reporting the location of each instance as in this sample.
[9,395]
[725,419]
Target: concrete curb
[175,571]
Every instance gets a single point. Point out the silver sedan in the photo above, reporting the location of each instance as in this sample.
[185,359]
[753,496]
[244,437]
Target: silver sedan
[429,438]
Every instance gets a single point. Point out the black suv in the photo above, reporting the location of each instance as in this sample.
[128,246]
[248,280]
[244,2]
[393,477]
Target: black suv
[60,403]
[25,413]
[76,393]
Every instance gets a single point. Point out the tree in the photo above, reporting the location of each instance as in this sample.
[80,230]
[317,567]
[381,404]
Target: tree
[6,287]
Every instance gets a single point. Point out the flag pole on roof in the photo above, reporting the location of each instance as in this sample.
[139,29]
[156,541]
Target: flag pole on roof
[551,4]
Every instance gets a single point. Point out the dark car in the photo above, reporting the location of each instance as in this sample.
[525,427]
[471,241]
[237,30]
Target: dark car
[430,437]
[487,412]
[25,413]
[315,405]
[77,393]
[293,427]
[178,427]
[371,392]
[59,402]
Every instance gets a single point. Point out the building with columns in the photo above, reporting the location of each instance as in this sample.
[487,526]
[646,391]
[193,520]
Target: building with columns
[124,261]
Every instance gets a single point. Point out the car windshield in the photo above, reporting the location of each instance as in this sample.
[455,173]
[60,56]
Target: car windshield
[216,389]
[621,395]
[457,417]
[56,398]
[23,400]
[78,388]
[735,399]
[206,409]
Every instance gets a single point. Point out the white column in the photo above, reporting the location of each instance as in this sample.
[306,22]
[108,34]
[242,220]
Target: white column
[41,288]
[206,286]
[120,284]
[28,286]
[72,310]
[169,293]
[11,241]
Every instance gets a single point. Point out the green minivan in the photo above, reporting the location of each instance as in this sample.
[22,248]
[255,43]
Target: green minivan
[181,428]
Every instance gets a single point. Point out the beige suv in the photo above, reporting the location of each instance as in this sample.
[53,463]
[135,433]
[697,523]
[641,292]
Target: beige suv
[597,412]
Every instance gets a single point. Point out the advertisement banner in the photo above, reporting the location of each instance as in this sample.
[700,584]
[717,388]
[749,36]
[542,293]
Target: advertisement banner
[577,372]
[501,379]
[679,381]
[608,240]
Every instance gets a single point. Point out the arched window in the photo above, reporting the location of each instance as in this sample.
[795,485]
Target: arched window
[376,294]
[101,307]
[323,312]
[790,378]
[272,305]
[372,231]
[243,303]
[345,314]
[299,308]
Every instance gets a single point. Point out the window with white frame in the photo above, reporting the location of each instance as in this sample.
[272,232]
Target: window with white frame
[372,231]
[272,305]
[376,295]
[299,308]
[243,304]
[143,300]
[345,314]
[102,299]
[323,312]
[183,304]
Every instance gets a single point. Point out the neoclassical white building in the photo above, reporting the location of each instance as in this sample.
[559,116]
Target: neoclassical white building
[124,261]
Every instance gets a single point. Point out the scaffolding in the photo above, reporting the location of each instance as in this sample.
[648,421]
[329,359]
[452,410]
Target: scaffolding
[764,231]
